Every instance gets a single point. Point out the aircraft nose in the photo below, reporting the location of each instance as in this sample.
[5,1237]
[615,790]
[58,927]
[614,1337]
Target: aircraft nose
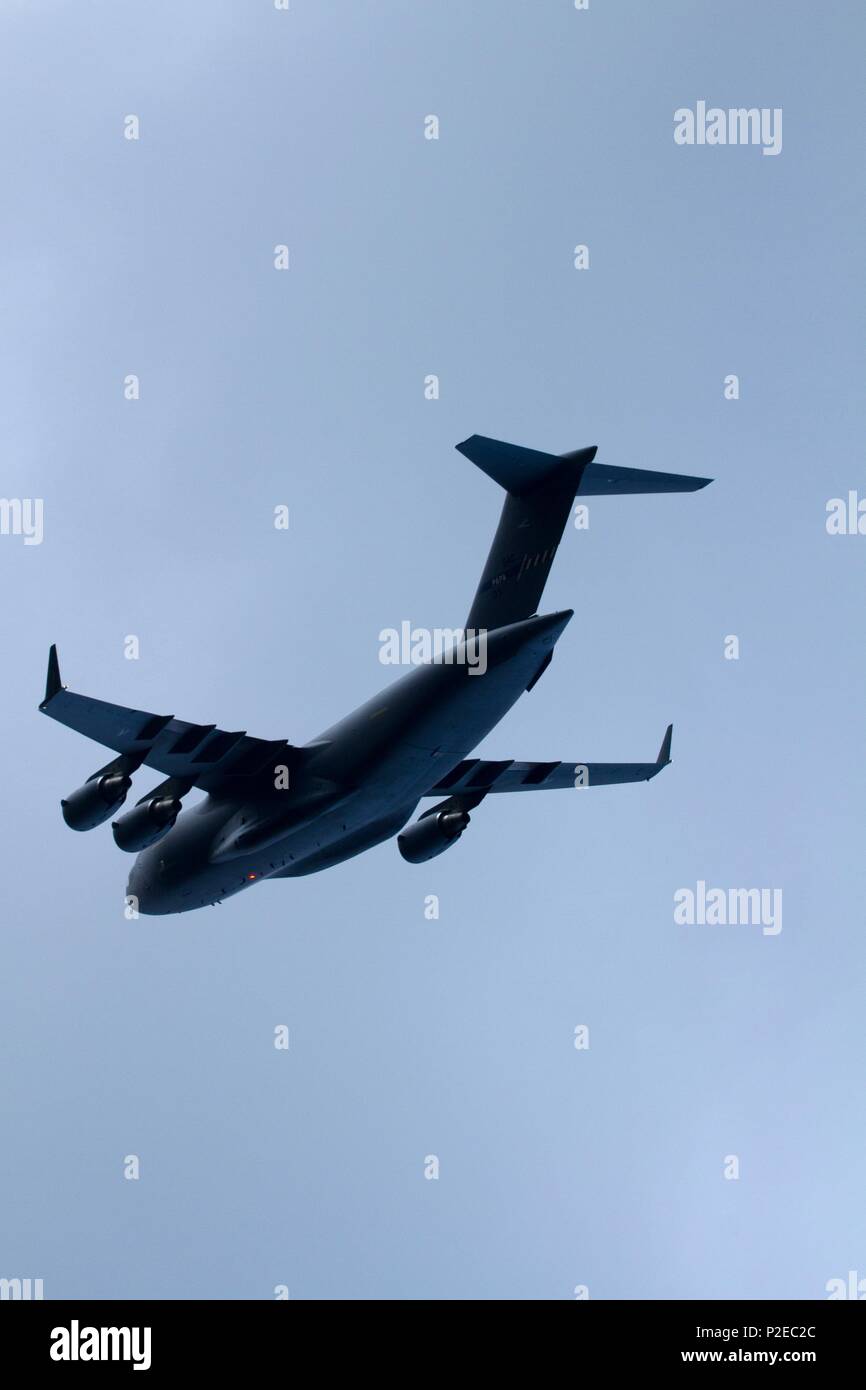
[136,887]
[142,890]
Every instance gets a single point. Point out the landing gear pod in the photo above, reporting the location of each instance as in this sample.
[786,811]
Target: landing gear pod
[432,834]
[90,805]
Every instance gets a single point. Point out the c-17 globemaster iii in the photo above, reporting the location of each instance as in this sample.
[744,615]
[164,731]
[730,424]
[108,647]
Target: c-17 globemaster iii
[275,810]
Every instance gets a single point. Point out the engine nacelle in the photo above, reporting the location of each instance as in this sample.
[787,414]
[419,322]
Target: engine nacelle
[90,805]
[431,835]
[146,823]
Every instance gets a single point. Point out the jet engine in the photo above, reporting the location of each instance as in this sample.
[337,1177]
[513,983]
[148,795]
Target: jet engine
[146,823]
[432,834]
[90,805]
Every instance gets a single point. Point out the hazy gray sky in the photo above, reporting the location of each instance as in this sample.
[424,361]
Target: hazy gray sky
[558,1167]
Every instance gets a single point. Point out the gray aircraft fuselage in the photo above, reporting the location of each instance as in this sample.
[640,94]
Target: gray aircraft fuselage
[357,784]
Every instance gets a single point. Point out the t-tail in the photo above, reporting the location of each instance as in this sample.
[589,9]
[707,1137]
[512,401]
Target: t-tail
[541,489]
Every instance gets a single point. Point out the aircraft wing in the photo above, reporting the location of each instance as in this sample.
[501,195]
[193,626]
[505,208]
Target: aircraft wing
[201,754]
[478,777]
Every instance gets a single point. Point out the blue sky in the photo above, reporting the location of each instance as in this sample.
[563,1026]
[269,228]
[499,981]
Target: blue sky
[454,1037]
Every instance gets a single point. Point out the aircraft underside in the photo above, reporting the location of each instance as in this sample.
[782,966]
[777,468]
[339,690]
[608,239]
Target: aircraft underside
[275,810]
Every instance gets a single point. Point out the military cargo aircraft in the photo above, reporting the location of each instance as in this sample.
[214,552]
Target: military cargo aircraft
[276,810]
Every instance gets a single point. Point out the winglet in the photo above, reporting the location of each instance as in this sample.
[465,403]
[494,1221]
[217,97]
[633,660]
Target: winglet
[53,684]
[664,756]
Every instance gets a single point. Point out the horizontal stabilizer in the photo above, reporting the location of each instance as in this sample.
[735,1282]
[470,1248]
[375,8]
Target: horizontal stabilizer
[603,480]
[519,470]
